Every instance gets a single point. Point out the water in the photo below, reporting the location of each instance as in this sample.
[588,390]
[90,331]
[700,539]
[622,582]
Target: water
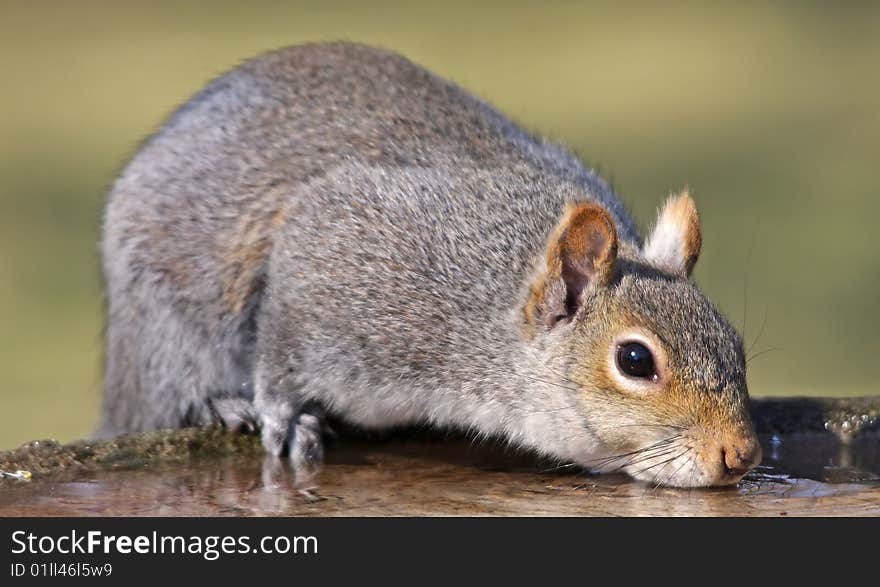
[802,474]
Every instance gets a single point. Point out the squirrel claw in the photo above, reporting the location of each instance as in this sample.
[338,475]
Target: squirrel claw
[300,438]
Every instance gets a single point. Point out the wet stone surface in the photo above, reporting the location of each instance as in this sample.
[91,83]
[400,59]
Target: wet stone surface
[812,466]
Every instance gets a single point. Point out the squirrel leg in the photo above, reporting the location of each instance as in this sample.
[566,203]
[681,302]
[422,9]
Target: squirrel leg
[300,437]
[306,445]
[291,427]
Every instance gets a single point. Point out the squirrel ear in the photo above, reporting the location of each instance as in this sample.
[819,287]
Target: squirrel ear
[581,251]
[675,242]
[584,248]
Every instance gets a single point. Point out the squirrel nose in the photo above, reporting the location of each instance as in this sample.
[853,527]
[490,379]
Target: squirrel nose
[741,458]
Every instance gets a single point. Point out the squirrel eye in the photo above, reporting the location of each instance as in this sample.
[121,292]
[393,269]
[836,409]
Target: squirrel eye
[635,360]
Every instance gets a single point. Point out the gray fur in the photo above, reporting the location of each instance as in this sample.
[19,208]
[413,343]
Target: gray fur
[413,217]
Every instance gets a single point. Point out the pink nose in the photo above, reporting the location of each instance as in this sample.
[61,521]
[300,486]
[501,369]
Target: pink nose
[742,457]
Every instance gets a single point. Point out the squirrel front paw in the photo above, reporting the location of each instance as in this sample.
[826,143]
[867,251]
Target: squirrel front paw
[299,436]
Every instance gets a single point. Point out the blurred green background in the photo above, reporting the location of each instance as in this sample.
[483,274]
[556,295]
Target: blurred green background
[769,111]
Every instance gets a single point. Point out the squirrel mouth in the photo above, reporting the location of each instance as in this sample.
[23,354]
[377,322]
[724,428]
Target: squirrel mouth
[685,461]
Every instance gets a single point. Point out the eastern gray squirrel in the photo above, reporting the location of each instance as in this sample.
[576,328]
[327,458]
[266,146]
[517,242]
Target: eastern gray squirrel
[330,229]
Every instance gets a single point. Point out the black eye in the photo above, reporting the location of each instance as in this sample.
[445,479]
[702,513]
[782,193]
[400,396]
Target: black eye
[634,359]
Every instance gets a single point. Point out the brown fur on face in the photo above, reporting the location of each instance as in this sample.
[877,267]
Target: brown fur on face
[697,408]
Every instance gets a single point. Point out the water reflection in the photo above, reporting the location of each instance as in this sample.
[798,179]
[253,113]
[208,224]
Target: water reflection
[821,457]
[806,474]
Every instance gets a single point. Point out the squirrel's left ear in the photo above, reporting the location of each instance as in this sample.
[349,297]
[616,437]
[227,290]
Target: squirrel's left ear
[675,242]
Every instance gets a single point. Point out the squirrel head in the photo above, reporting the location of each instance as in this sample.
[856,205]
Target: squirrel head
[656,372]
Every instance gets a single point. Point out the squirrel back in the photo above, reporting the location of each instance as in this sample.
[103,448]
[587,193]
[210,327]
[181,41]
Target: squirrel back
[197,207]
